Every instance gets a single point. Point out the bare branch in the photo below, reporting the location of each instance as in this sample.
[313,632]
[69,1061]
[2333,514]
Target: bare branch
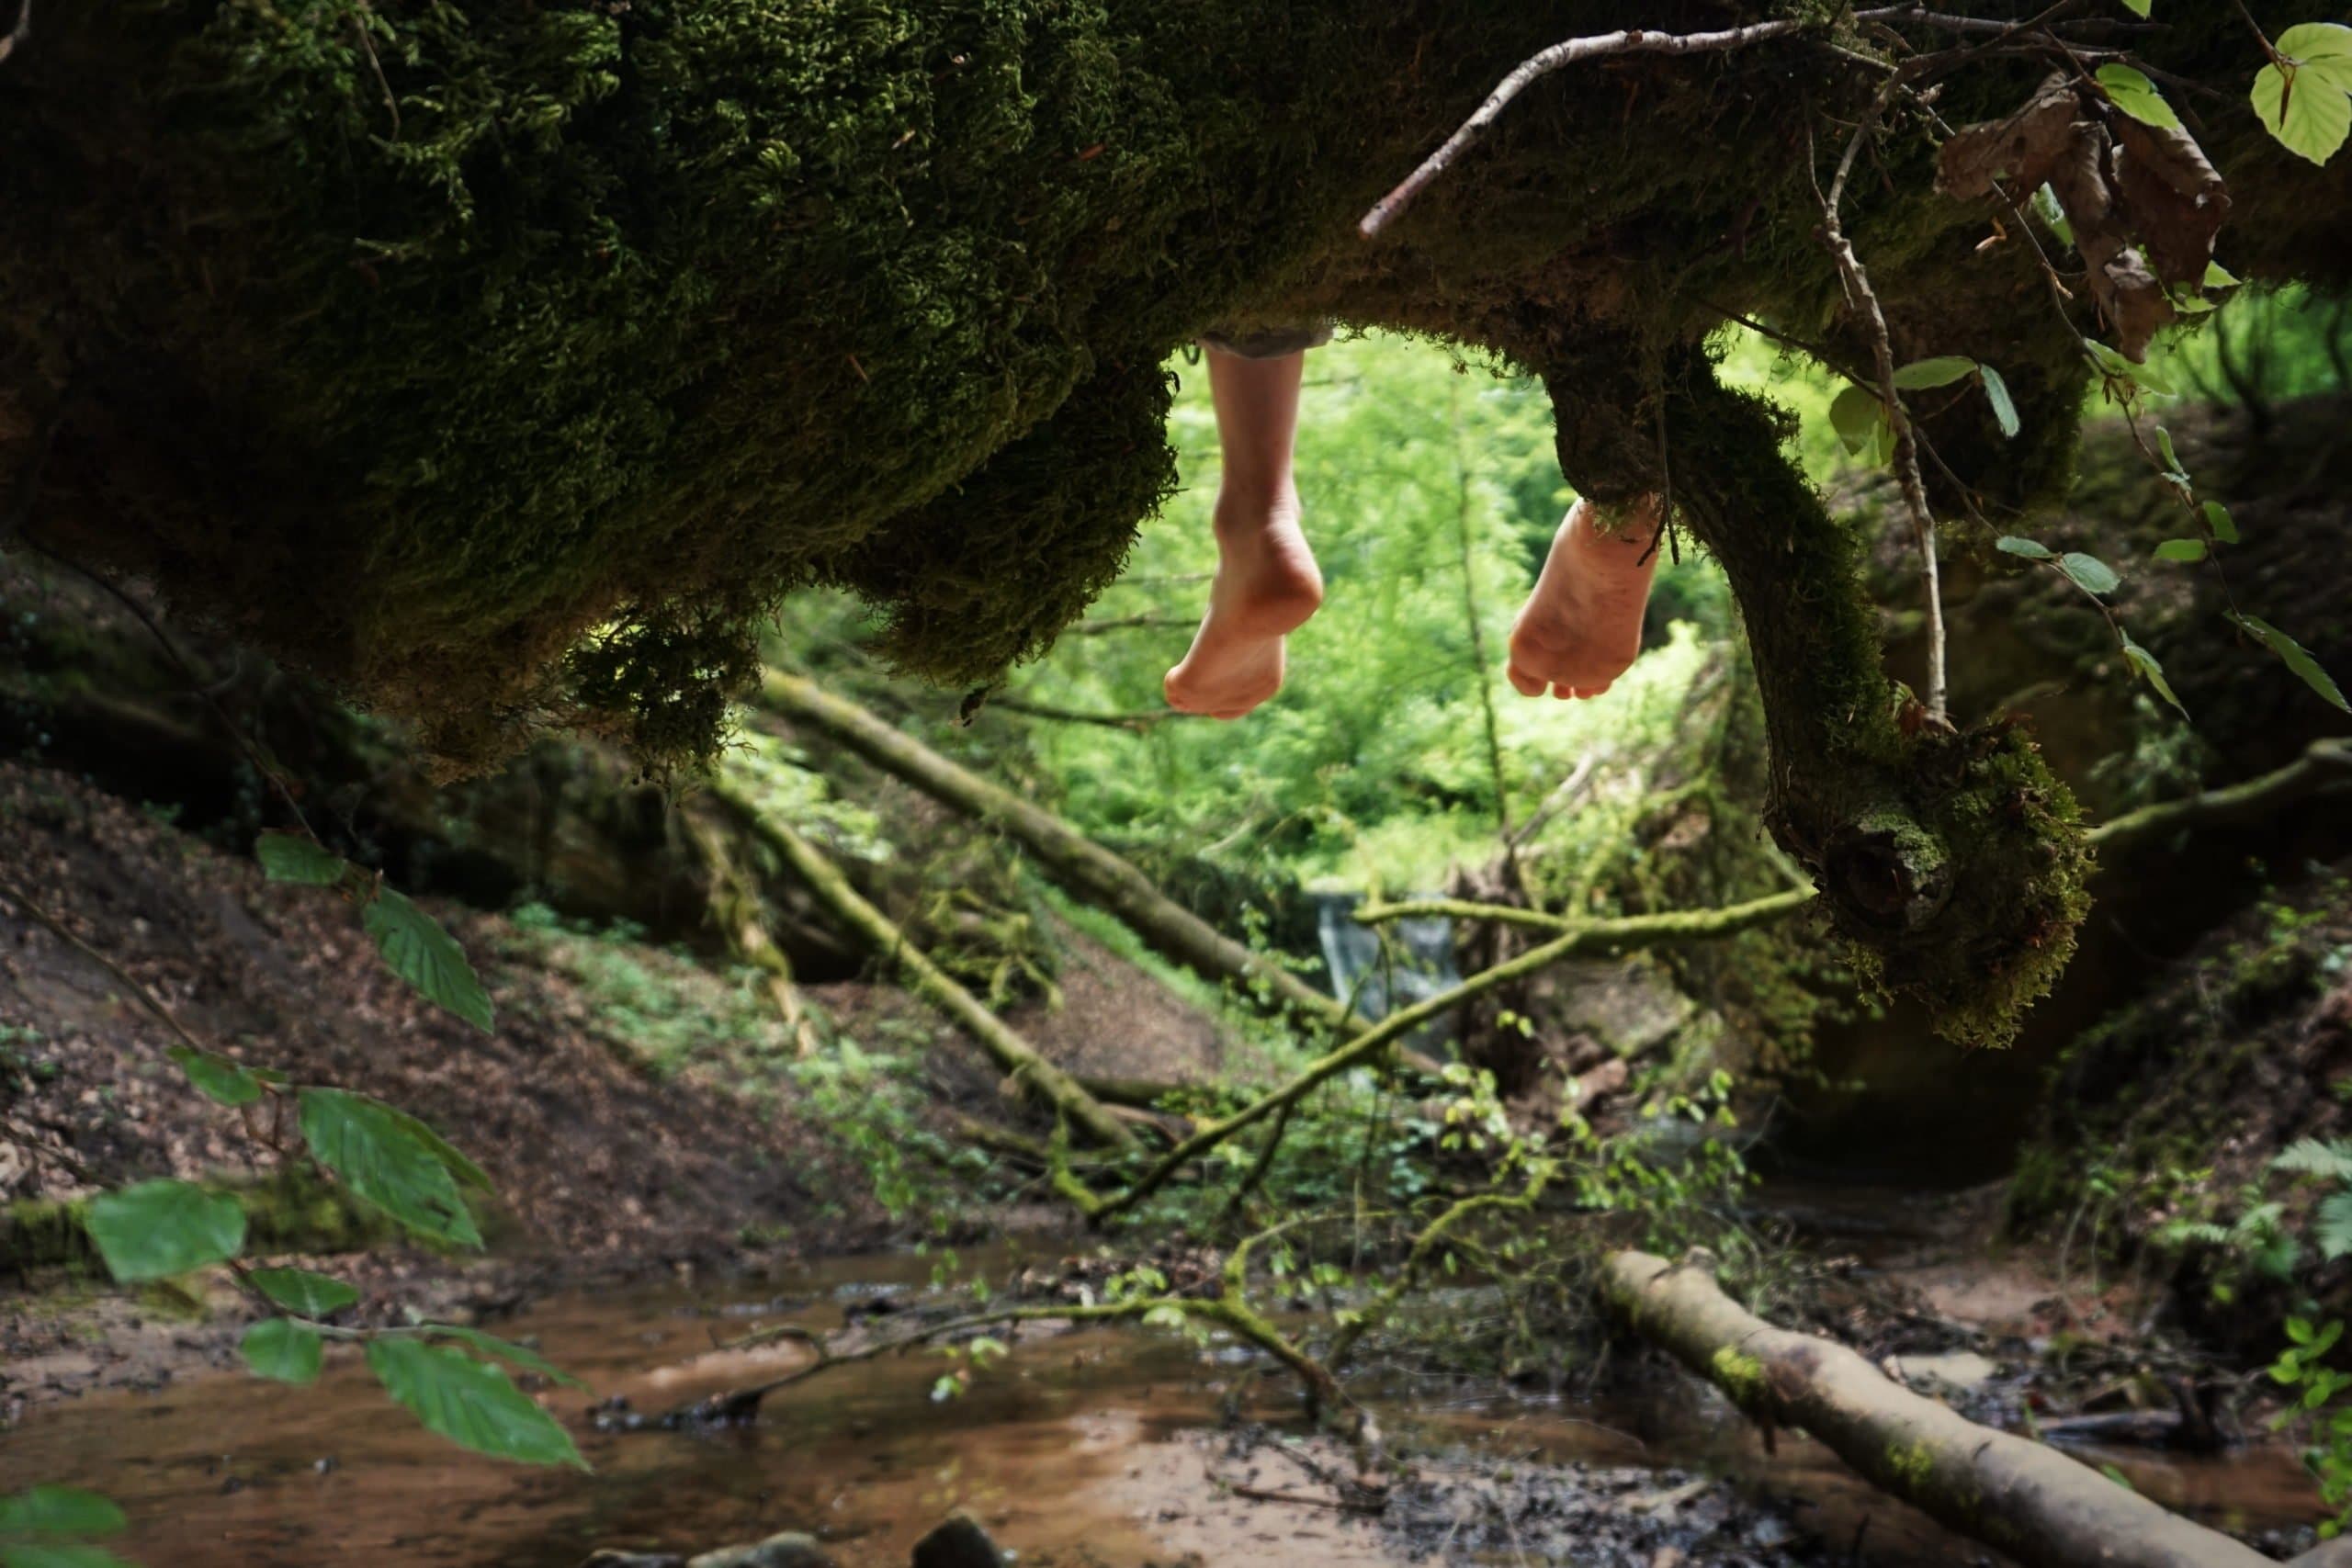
[1864,301]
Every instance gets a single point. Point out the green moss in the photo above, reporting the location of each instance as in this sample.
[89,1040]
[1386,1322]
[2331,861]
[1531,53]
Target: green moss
[291,1211]
[1913,1465]
[507,363]
[1739,1375]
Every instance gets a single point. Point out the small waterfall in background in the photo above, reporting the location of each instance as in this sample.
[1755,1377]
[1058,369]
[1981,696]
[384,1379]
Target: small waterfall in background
[1416,963]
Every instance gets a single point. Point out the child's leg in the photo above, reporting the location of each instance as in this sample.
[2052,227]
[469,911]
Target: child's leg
[1267,583]
[1582,626]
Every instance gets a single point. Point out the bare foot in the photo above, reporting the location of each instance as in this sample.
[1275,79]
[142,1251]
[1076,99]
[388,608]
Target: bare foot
[1267,585]
[1582,626]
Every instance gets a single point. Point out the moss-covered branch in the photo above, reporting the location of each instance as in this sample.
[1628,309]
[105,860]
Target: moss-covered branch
[1609,938]
[1036,1077]
[2028,1500]
[1425,1247]
[2324,766]
[1068,856]
[1364,1049]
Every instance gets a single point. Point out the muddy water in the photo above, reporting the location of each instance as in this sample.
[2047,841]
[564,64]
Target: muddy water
[1083,1447]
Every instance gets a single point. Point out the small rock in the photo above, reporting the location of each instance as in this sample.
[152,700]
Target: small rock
[959,1542]
[790,1550]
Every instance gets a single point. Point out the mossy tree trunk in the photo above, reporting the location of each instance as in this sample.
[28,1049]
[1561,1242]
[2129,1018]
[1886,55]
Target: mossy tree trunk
[509,364]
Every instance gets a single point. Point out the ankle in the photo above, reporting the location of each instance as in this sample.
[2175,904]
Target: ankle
[1248,499]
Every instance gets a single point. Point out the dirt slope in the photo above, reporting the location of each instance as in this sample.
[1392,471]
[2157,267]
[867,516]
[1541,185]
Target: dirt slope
[594,1160]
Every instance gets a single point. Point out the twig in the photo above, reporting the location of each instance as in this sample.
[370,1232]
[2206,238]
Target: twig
[1141,722]
[57,928]
[1479,672]
[1864,301]
[20,32]
[368,45]
[197,682]
[1129,624]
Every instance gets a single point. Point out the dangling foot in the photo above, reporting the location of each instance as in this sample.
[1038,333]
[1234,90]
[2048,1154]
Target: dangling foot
[1267,585]
[1582,626]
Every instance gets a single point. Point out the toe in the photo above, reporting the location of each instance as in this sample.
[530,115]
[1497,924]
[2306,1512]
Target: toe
[1564,693]
[1526,686]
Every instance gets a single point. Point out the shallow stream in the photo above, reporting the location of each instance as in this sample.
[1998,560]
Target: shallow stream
[1089,1448]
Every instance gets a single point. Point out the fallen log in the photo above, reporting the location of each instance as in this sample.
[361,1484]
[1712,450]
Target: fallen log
[735,910]
[2033,1502]
[1036,1077]
[1077,861]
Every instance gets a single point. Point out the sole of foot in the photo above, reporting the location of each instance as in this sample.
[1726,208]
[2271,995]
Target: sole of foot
[1581,626]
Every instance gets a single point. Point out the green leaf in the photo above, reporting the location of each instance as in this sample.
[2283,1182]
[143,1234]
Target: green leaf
[2154,377]
[2005,408]
[2217,518]
[1857,415]
[298,857]
[160,1228]
[2181,550]
[503,1349]
[2291,653]
[2332,1227]
[217,1078]
[2219,276]
[427,957]
[281,1348]
[469,1401]
[59,1555]
[2320,49]
[369,1145]
[2311,115]
[1941,371]
[2138,8]
[2136,95]
[2045,202]
[2172,458]
[2089,573]
[468,1173]
[2144,664]
[2030,548]
[2110,363]
[60,1510]
[301,1292]
[2311,1156]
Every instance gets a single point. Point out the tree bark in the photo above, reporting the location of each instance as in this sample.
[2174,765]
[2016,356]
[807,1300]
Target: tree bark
[2028,1500]
[1038,1078]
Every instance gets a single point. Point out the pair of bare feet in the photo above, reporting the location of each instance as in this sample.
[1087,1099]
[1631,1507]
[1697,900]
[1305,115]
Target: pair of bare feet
[1578,632]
